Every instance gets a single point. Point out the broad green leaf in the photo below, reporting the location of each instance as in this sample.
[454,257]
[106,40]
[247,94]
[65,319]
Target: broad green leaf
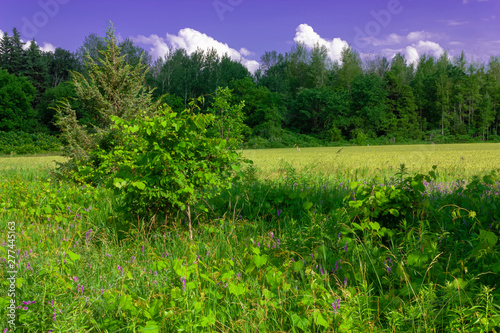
[260,260]
[319,320]
[140,185]
[73,256]
[237,289]
[307,205]
[298,265]
[151,327]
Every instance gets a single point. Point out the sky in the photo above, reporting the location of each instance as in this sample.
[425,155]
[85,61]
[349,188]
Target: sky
[245,29]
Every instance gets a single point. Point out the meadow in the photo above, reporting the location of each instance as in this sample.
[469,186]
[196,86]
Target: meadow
[316,240]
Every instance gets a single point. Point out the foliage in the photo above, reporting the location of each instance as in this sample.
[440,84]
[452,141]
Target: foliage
[380,207]
[228,119]
[28,143]
[165,163]
[16,94]
[295,265]
[112,88]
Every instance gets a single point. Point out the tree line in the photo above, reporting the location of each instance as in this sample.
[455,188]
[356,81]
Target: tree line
[299,92]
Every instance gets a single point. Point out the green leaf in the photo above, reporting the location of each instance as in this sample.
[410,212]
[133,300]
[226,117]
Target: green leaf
[307,205]
[73,256]
[298,265]
[140,185]
[237,289]
[319,320]
[301,322]
[260,260]
[394,212]
[151,327]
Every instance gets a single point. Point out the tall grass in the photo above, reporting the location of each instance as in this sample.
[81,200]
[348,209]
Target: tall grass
[272,255]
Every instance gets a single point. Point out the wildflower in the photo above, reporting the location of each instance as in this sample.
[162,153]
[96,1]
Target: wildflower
[271,234]
[75,278]
[340,235]
[345,282]
[183,280]
[345,247]
[121,270]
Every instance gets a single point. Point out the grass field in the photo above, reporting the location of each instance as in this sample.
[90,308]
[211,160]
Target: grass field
[454,161]
[294,254]
[30,162]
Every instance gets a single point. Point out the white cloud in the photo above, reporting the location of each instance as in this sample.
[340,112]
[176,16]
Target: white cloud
[306,34]
[46,47]
[414,36]
[421,35]
[454,23]
[191,40]
[391,39]
[467,1]
[414,51]
[1,33]
[245,52]
[412,55]
[158,45]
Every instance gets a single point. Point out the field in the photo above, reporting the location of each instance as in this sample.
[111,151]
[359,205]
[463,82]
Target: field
[454,161]
[306,241]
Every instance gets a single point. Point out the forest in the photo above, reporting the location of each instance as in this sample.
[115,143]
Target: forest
[297,98]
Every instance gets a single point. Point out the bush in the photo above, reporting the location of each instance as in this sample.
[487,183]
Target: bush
[28,143]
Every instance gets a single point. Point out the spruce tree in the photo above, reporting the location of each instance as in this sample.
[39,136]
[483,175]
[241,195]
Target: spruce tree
[111,87]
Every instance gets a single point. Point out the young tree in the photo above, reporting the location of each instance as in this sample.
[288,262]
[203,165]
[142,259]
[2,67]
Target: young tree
[113,88]
[167,163]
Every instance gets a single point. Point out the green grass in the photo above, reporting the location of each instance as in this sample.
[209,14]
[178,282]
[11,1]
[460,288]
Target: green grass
[454,161]
[278,255]
[36,162]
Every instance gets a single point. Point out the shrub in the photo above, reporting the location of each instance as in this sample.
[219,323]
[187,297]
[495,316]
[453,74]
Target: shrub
[27,143]
[165,163]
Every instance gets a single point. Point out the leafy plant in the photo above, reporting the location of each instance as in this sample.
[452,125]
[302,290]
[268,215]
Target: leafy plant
[166,162]
[380,207]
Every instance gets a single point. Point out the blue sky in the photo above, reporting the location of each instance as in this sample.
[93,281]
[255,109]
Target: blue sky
[245,29]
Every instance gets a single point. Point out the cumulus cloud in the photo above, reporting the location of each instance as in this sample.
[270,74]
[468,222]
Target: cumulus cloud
[191,40]
[414,51]
[305,34]
[46,47]
[1,33]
